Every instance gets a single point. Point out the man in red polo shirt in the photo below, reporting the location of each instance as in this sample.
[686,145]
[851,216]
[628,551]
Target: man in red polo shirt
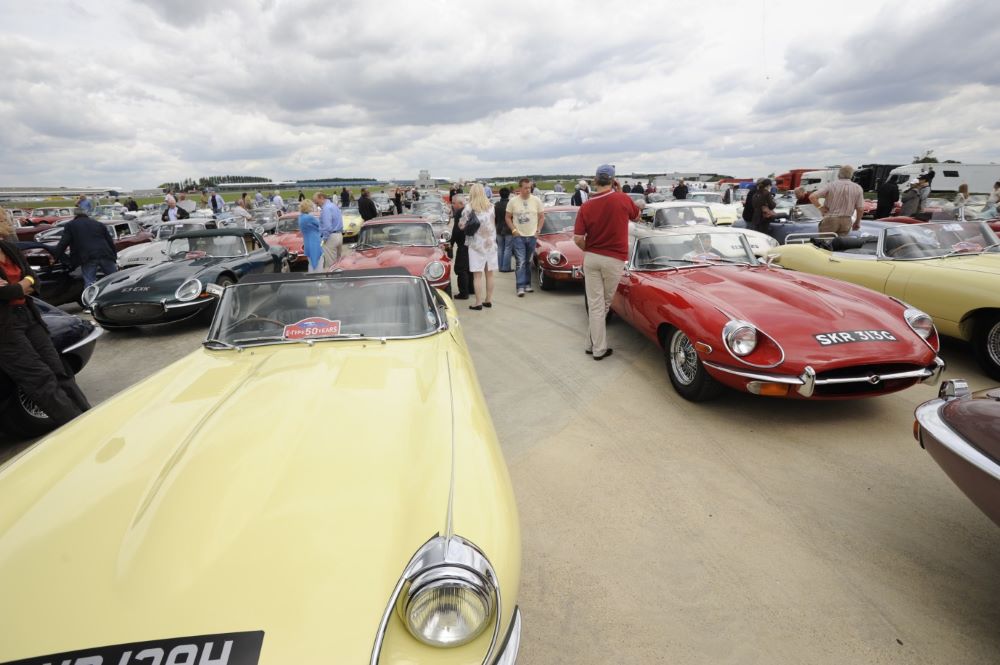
[601,231]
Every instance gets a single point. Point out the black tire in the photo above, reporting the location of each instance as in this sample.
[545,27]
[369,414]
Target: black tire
[24,419]
[546,284]
[687,374]
[986,344]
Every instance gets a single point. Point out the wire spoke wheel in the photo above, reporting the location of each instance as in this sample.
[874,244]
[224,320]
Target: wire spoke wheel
[993,343]
[29,406]
[683,358]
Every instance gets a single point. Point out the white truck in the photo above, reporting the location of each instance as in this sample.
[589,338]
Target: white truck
[947,177]
[813,180]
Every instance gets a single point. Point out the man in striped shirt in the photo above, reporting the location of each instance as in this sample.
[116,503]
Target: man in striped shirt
[842,199]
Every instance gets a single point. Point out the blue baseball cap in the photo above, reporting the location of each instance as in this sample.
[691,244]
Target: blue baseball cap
[606,170]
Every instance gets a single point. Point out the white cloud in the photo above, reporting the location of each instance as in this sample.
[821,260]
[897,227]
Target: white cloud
[136,93]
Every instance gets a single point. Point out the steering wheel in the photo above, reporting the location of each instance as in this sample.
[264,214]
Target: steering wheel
[254,319]
[905,245]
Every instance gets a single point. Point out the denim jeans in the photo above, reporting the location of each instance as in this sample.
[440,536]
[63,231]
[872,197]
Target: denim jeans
[524,251]
[505,250]
[90,268]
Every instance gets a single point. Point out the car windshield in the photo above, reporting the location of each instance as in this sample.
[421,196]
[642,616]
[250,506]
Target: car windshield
[197,247]
[44,212]
[638,198]
[379,235]
[927,241]
[557,222]
[677,250]
[427,206]
[259,214]
[288,224]
[707,197]
[169,230]
[681,216]
[806,211]
[327,307]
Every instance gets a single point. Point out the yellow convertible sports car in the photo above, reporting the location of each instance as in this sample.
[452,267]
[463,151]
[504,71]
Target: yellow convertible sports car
[321,483]
[951,270]
[352,222]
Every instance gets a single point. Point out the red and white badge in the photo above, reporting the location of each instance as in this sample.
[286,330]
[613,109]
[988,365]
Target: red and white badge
[312,328]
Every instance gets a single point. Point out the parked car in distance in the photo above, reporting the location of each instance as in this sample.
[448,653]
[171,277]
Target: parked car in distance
[288,235]
[178,289]
[557,257]
[400,241]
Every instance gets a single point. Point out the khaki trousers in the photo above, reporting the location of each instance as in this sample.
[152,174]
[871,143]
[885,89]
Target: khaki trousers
[332,249]
[839,224]
[601,274]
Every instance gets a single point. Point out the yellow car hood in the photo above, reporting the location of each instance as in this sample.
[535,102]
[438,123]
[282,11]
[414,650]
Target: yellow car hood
[183,508]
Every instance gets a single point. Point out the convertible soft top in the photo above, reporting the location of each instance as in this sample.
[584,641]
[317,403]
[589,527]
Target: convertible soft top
[293,276]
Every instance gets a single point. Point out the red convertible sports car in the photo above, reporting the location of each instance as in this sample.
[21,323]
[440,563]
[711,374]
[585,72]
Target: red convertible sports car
[288,235]
[50,215]
[723,318]
[557,257]
[400,241]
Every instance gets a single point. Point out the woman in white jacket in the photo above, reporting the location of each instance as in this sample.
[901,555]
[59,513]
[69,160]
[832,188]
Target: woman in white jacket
[482,245]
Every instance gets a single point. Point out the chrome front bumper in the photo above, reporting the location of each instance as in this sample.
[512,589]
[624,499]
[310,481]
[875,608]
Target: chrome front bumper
[95,333]
[508,650]
[806,382]
[928,415]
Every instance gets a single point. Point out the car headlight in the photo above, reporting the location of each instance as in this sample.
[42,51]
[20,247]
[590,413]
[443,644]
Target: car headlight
[740,337]
[188,291]
[445,236]
[90,294]
[554,258]
[434,270]
[920,322]
[448,606]
[449,594]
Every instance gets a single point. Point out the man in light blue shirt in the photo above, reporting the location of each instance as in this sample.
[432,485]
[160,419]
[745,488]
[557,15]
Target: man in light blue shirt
[331,229]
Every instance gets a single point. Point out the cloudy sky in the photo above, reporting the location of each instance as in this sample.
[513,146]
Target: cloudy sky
[133,93]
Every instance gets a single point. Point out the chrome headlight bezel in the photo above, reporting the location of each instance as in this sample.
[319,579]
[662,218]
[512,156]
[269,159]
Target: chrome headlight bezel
[740,337]
[449,581]
[90,294]
[444,562]
[554,258]
[434,271]
[921,323]
[189,290]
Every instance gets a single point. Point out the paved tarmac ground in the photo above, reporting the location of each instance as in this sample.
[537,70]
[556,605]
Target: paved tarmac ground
[743,530]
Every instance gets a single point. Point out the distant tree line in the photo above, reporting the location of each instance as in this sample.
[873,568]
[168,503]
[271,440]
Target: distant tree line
[315,180]
[189,184]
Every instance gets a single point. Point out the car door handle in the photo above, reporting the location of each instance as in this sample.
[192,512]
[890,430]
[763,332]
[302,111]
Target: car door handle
[833,260]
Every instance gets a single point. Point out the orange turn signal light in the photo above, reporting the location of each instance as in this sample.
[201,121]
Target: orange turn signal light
[768,389]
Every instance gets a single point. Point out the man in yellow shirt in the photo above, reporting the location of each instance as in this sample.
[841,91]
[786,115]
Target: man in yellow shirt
[524,218]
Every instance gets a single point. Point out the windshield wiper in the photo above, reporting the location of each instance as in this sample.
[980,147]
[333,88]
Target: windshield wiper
[219,342]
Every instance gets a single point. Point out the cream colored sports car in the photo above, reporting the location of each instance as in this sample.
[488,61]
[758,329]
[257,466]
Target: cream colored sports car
[321,483]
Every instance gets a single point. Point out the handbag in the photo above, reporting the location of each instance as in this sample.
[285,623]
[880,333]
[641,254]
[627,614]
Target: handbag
[471,224]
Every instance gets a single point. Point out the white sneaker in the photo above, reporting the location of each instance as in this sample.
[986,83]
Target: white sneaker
[528,289]
[520,293]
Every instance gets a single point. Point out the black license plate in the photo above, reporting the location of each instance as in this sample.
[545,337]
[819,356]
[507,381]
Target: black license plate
[221,649]
[851,336]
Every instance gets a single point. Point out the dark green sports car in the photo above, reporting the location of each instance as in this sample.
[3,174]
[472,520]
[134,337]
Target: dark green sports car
[182,286]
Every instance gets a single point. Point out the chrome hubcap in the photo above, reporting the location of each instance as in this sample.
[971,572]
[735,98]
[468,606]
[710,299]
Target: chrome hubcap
[29,406]
[993,343]
[683,358]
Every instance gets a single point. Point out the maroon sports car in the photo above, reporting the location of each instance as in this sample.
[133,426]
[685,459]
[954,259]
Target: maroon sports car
[961,431]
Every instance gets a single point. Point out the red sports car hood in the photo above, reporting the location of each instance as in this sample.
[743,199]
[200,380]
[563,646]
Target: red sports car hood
[290,241]
[793,308]
[414,259]
[562,243]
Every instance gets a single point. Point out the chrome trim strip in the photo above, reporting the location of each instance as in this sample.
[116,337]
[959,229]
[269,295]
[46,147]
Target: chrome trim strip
[449,526]
[808,376]
[180,305]
[95,333]
[512,643]
[549,268]
[929,417]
